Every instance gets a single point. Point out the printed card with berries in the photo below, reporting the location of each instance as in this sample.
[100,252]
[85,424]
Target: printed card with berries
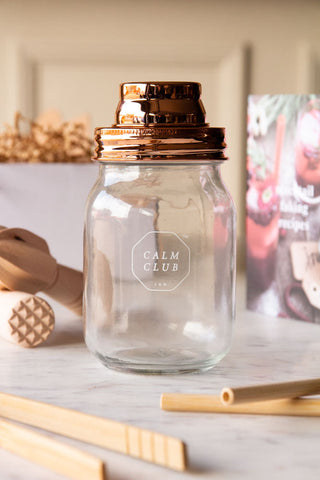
[283,206]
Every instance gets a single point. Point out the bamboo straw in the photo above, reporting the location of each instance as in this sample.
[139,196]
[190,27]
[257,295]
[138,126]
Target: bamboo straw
[272,391]
[136,442]
[49,453]
[212,403]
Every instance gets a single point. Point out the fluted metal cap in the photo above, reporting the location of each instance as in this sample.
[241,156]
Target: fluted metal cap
[160,103]
[160,121]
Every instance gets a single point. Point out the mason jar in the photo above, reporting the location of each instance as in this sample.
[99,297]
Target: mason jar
[159,243]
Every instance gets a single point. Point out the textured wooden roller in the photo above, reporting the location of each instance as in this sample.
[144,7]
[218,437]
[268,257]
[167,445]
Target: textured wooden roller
[25,319]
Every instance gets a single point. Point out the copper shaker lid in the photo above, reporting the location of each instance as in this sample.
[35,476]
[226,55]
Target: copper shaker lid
[160,121]
[160,103]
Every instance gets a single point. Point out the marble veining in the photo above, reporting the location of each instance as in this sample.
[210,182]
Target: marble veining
[63,372]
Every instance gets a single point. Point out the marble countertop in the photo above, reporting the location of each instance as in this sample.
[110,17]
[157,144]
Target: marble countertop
[220,446]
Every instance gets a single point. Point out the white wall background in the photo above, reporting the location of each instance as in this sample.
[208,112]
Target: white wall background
[73,54]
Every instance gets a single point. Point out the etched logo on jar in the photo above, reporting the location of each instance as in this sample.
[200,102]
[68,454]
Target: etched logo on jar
[160,261]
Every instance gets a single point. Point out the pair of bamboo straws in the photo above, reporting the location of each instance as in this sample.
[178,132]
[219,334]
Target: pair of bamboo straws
[270,399]
[70,461]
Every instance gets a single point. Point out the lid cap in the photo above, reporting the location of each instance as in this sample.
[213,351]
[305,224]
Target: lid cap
[160,121]
[160,103]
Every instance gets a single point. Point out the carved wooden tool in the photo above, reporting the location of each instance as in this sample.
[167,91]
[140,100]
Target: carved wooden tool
[52,454]
[120,437]
[25,319]
[27,265]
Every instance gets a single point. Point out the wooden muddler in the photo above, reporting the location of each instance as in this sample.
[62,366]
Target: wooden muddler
[25,319]
[179,402]
[272,391]
[67,288]
[26,265]
[120,437]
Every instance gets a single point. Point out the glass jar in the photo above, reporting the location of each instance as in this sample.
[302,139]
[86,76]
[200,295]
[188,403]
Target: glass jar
[159,244]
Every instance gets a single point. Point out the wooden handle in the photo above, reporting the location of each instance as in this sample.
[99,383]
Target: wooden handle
[24,267]
[67,288]
[49,453]
[212,404]
[25,319]
[136,442]
[27,265]
[272,391]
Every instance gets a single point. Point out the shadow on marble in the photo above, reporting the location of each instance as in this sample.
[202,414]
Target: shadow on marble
[197,469]
[64,337]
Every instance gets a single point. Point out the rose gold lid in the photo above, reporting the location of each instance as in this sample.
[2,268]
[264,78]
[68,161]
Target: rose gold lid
[160,121]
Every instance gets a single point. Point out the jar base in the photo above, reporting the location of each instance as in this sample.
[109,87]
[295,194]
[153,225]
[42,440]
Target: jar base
[162,362]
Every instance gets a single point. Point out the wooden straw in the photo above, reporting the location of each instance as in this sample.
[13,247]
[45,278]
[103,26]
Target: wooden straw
[272,391]
[49,453]
[136,442]
[212,404]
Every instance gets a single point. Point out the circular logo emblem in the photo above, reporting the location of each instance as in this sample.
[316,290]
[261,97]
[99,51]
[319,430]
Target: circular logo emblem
[160,261]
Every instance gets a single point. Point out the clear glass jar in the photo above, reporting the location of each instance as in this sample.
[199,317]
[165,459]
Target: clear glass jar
[159,263]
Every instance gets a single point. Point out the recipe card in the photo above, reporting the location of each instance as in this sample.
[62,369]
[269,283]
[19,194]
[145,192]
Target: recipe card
[283,206]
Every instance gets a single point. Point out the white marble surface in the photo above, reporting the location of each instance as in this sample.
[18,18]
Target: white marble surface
[219,446]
